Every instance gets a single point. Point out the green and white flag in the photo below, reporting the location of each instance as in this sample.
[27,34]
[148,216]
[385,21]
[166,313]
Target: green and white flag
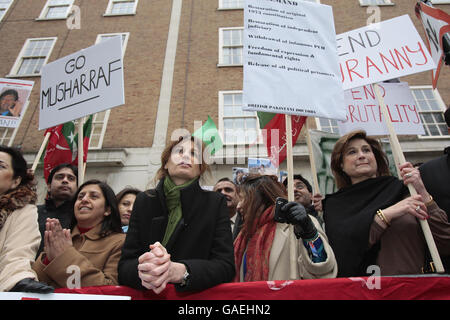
[209,134]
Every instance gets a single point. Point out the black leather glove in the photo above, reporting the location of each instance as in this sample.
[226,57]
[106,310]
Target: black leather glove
[31,285]
[296,215]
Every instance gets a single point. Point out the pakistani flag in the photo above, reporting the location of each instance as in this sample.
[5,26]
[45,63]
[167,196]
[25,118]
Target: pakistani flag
[276,143]
[62,146]
[210,136]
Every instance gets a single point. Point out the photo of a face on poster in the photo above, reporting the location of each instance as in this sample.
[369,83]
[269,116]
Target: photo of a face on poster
[14,96]
[261,166]
[238,174]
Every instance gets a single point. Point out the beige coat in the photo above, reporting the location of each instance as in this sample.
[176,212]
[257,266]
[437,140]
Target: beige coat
[95,259]
[289,259]
[19,242]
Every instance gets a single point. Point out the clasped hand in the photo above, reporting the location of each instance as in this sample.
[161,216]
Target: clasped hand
[154,268]
[56,239]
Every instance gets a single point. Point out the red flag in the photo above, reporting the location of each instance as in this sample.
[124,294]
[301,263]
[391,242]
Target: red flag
[62,145]
[275,134]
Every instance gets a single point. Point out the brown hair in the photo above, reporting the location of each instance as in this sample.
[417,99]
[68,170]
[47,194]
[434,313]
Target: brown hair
[342,179]
[125,191]
[259,193]
[167,152]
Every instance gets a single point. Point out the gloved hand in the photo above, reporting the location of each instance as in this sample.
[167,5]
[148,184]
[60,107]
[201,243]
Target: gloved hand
[296,215]
[31,285]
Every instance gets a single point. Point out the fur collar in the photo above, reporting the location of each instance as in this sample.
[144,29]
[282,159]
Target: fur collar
[16,199]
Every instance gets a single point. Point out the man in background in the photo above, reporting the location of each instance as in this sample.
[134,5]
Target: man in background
[303,195]
[226,187]
[62,184]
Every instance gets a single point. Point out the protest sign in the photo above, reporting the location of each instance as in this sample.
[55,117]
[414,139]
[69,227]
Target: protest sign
[290,58]
[381,51]
[436,24]
[14,96]
[364,112]
[83,83]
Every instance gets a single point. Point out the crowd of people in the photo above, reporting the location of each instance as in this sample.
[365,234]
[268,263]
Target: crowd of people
[182,234]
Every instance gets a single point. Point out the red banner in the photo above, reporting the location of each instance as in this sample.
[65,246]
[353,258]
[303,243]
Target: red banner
[383,288]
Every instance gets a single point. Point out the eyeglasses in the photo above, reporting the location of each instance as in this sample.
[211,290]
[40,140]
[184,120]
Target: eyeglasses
[299,186]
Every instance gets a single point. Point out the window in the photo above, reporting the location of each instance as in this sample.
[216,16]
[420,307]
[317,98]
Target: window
[121,7]
[100,119]
[376,3]
[431,110]
[34,54]
[327,125]
[231,4]
[6,136]
[4,6]
[235,125]
[106,36]
[56,9]
[230,46]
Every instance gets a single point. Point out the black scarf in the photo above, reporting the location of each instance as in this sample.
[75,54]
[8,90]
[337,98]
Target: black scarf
[348,215]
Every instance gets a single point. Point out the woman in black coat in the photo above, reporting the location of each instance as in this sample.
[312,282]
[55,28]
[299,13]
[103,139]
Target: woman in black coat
[178,232]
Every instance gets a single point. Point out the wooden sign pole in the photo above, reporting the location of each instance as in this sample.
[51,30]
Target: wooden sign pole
[289,157]
[293,250]
[39,154]
[312,160]
[400,159]
[80,151]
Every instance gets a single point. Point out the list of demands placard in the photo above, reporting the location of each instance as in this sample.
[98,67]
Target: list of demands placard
[290,59]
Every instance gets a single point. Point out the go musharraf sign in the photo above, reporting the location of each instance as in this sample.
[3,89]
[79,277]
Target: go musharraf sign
[83,83]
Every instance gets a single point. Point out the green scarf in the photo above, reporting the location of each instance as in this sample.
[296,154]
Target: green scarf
[173,201]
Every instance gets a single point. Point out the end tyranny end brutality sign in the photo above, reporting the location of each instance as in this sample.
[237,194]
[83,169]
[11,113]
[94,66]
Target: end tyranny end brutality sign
[83,83]
[382,51]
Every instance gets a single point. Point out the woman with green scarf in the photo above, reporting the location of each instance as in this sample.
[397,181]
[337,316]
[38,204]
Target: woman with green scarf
[178,232]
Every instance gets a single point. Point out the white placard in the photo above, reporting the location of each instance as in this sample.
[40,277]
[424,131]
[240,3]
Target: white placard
[14,96]
[382,51]
[290,59]
[83,83]
[58,296]
[363,110]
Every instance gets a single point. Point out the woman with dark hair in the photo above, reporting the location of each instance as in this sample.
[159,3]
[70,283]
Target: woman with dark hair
[372,219]
[19,231]
[186,228]
[125,199]
[294,247]
[94,246]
